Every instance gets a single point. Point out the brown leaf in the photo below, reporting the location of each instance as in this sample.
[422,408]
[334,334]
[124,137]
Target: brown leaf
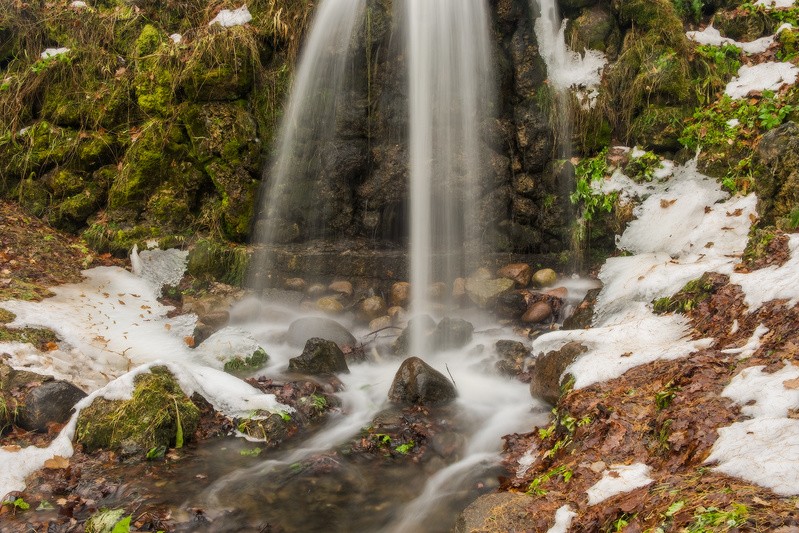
[57,462]
[666,203]
[50,346]
[189,341]
[791,384]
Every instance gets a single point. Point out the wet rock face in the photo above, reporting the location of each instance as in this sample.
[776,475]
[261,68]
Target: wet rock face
[319,357]
[417,383]
[546,382]
[511,357]
[303,329]
[51,402]
[777,184]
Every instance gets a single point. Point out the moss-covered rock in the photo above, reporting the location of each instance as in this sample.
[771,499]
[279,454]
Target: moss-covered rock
[222,64]
[658,127]
[71,213]
[221,261]
[777,175]
[156,72]
[594,29]
[158,414]
[150,161]
[33,196]
[223,130]
[238,190]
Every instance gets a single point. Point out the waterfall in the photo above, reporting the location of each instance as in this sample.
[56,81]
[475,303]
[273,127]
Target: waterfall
[450,73]
[319,94]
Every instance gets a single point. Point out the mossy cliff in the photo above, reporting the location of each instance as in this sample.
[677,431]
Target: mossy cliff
[152,125]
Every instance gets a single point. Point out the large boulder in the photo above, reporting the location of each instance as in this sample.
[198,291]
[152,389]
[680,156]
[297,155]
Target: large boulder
[319,357]
[549,368]
[424,323]
[417,383]
[306,328]
[50,402]
[500,512]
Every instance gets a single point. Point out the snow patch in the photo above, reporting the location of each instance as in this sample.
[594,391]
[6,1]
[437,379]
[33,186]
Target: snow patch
[236,17]
[617,480]
[712,36]
[159,267]
[772,283]
[765,449]
[176,38]
[563,520]
[763,77]
[52,52]
[751,346]
[775,4]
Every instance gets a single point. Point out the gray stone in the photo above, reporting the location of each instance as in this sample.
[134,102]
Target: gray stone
[417,383]
[50,402]
[319,357]
[451,333]
[306,328]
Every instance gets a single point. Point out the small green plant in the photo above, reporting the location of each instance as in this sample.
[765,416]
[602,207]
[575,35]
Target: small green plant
[156,452]
[285,416]
[690,9]
[319,402]
[588,171]
[665,396]
[404,449]
[643,167]
[621,522]
[535,488]
[714,519]
[17,504]
[253,452]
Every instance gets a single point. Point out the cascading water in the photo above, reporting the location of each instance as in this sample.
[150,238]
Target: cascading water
[318,96]
[450,94]
[574,78]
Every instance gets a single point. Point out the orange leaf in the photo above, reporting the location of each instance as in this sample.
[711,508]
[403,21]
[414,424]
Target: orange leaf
[57,462]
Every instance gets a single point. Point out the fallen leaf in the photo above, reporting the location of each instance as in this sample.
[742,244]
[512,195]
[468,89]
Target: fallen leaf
[666,203]
[189,341]
[57,462]
[11,448]
[50,346]
[791,384]
[168,327]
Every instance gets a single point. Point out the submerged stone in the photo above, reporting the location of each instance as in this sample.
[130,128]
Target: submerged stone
[484,292]
[451,333]
[417,383]
[306,328]
[319,357]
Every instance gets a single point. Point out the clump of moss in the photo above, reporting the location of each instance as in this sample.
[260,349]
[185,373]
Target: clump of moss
[238,364]
[691,295]
[39,337]
[158,414]
[6,316]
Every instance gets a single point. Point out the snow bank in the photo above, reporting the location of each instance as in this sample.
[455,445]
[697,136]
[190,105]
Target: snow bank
[765,449]
[236,17]
[617,480]
[685,227]
[762,77]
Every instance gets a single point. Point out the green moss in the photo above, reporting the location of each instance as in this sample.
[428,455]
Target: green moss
[149,41]
[72,212]
[6,316]
[63,182]
[110,238]
[659,127]
[238,190]
[649,15]
[223,130]
[38,337]
[758,245]
[158,414]
[33,196]
[223,65]
[257,360]
[692,294]
[224,262]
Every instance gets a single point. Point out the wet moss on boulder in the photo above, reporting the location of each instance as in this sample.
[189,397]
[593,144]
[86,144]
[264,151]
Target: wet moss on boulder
[158,414]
